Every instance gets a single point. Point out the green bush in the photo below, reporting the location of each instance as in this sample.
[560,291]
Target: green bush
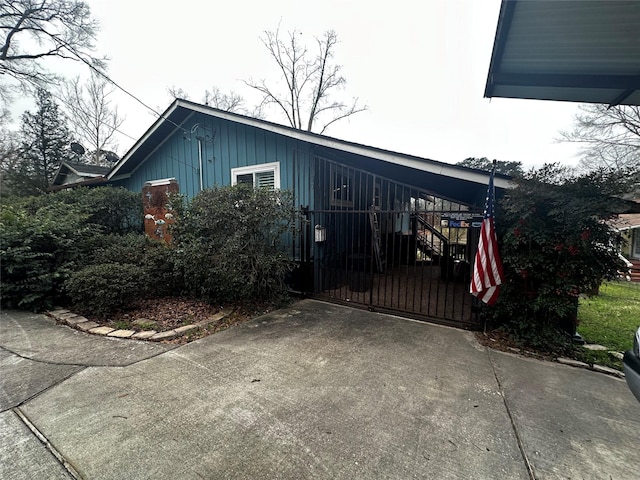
[38,252]
[154,257]
[104,288]
[555,246]
[230,244]
[108,209]
[44,239]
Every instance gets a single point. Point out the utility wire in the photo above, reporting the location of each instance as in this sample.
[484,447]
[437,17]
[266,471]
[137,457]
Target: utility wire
[110,80]
[170,157]
[62,100]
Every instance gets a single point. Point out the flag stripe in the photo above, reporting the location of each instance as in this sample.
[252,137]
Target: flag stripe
[487,272]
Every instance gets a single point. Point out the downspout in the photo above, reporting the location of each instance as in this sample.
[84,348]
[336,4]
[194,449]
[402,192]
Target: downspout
[200,162]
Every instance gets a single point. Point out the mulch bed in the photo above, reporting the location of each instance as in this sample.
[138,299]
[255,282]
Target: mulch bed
[168,313]
[499,340]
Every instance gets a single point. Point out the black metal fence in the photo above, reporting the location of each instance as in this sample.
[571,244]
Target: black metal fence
[380,244]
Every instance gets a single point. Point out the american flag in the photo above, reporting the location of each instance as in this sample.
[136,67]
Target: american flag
[487,271]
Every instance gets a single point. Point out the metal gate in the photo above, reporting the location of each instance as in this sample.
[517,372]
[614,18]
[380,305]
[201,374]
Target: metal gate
[373,242]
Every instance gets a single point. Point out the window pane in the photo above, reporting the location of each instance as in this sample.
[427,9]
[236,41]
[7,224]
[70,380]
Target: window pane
[246,178]
[265,180]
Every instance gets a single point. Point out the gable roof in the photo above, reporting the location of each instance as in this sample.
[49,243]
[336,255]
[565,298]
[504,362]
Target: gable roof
[627,221]
[577,51]
[86,170]
[83,170]
[170,121]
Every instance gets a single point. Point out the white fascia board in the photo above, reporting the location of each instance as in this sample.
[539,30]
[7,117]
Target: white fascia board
[86,174]
[386,156]
[143,139]
[390,157]
[627,227]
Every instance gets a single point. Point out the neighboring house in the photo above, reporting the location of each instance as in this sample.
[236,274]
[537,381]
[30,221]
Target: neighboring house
[628,224]
[380,229]
[71,174]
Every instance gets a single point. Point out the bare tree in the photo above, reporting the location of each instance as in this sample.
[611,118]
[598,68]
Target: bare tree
[310,82]
[177,92]
[229,102]
[610,135]
[34,30]
[93,118]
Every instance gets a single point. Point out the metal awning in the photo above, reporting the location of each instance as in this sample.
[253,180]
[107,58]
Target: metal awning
[576,51]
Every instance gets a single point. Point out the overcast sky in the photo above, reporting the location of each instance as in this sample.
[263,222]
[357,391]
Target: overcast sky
[420,67]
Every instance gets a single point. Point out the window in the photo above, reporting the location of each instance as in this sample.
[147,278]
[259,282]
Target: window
[341,187]
[266,175]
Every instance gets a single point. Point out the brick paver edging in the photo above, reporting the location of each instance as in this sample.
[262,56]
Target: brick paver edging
[84,324]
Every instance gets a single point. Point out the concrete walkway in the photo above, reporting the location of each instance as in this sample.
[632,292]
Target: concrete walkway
[312,391]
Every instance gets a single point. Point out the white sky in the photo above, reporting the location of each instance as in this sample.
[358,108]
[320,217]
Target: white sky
[420,66]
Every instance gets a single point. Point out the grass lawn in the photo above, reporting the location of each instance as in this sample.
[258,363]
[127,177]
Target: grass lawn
[612,317]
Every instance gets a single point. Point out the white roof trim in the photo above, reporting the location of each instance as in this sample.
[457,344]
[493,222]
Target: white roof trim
[384,155]
[159,182]
[627,227]
[142,140]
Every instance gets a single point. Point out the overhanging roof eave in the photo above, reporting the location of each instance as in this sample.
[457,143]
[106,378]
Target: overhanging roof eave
[419,163]
[596,60]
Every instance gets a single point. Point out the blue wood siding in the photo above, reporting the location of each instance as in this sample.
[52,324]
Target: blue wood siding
[225,145]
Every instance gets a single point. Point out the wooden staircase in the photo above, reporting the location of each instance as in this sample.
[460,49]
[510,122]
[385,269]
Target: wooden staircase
[635,271]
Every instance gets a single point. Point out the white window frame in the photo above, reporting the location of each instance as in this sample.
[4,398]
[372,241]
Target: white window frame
[253,169]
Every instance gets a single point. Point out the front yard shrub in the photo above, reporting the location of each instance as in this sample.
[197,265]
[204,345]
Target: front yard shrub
[104,288]
[44,239]
[38,252]
[108,209]
[555,246]
[229,244]
[156,258]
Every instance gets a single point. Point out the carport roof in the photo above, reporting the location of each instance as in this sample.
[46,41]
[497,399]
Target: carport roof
[577,51]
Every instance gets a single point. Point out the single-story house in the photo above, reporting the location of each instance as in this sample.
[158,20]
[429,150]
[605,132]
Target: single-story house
[73,174]
[628,225]
[380,229]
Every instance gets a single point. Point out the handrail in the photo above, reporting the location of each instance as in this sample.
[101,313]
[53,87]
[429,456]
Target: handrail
[432,229]
[435,248]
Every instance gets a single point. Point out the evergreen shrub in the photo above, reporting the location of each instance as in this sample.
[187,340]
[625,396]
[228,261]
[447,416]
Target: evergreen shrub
[104,288]
[556,245]
[44,239]
[230,244]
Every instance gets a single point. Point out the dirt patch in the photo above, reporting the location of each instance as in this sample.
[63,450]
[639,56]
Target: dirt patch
[499,340]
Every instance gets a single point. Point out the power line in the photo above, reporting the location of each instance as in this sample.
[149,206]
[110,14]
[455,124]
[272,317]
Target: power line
[60,99]
[109,79]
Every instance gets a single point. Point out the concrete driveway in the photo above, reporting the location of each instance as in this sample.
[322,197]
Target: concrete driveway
[312,391]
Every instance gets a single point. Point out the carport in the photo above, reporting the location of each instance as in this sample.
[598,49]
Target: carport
[576,51]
